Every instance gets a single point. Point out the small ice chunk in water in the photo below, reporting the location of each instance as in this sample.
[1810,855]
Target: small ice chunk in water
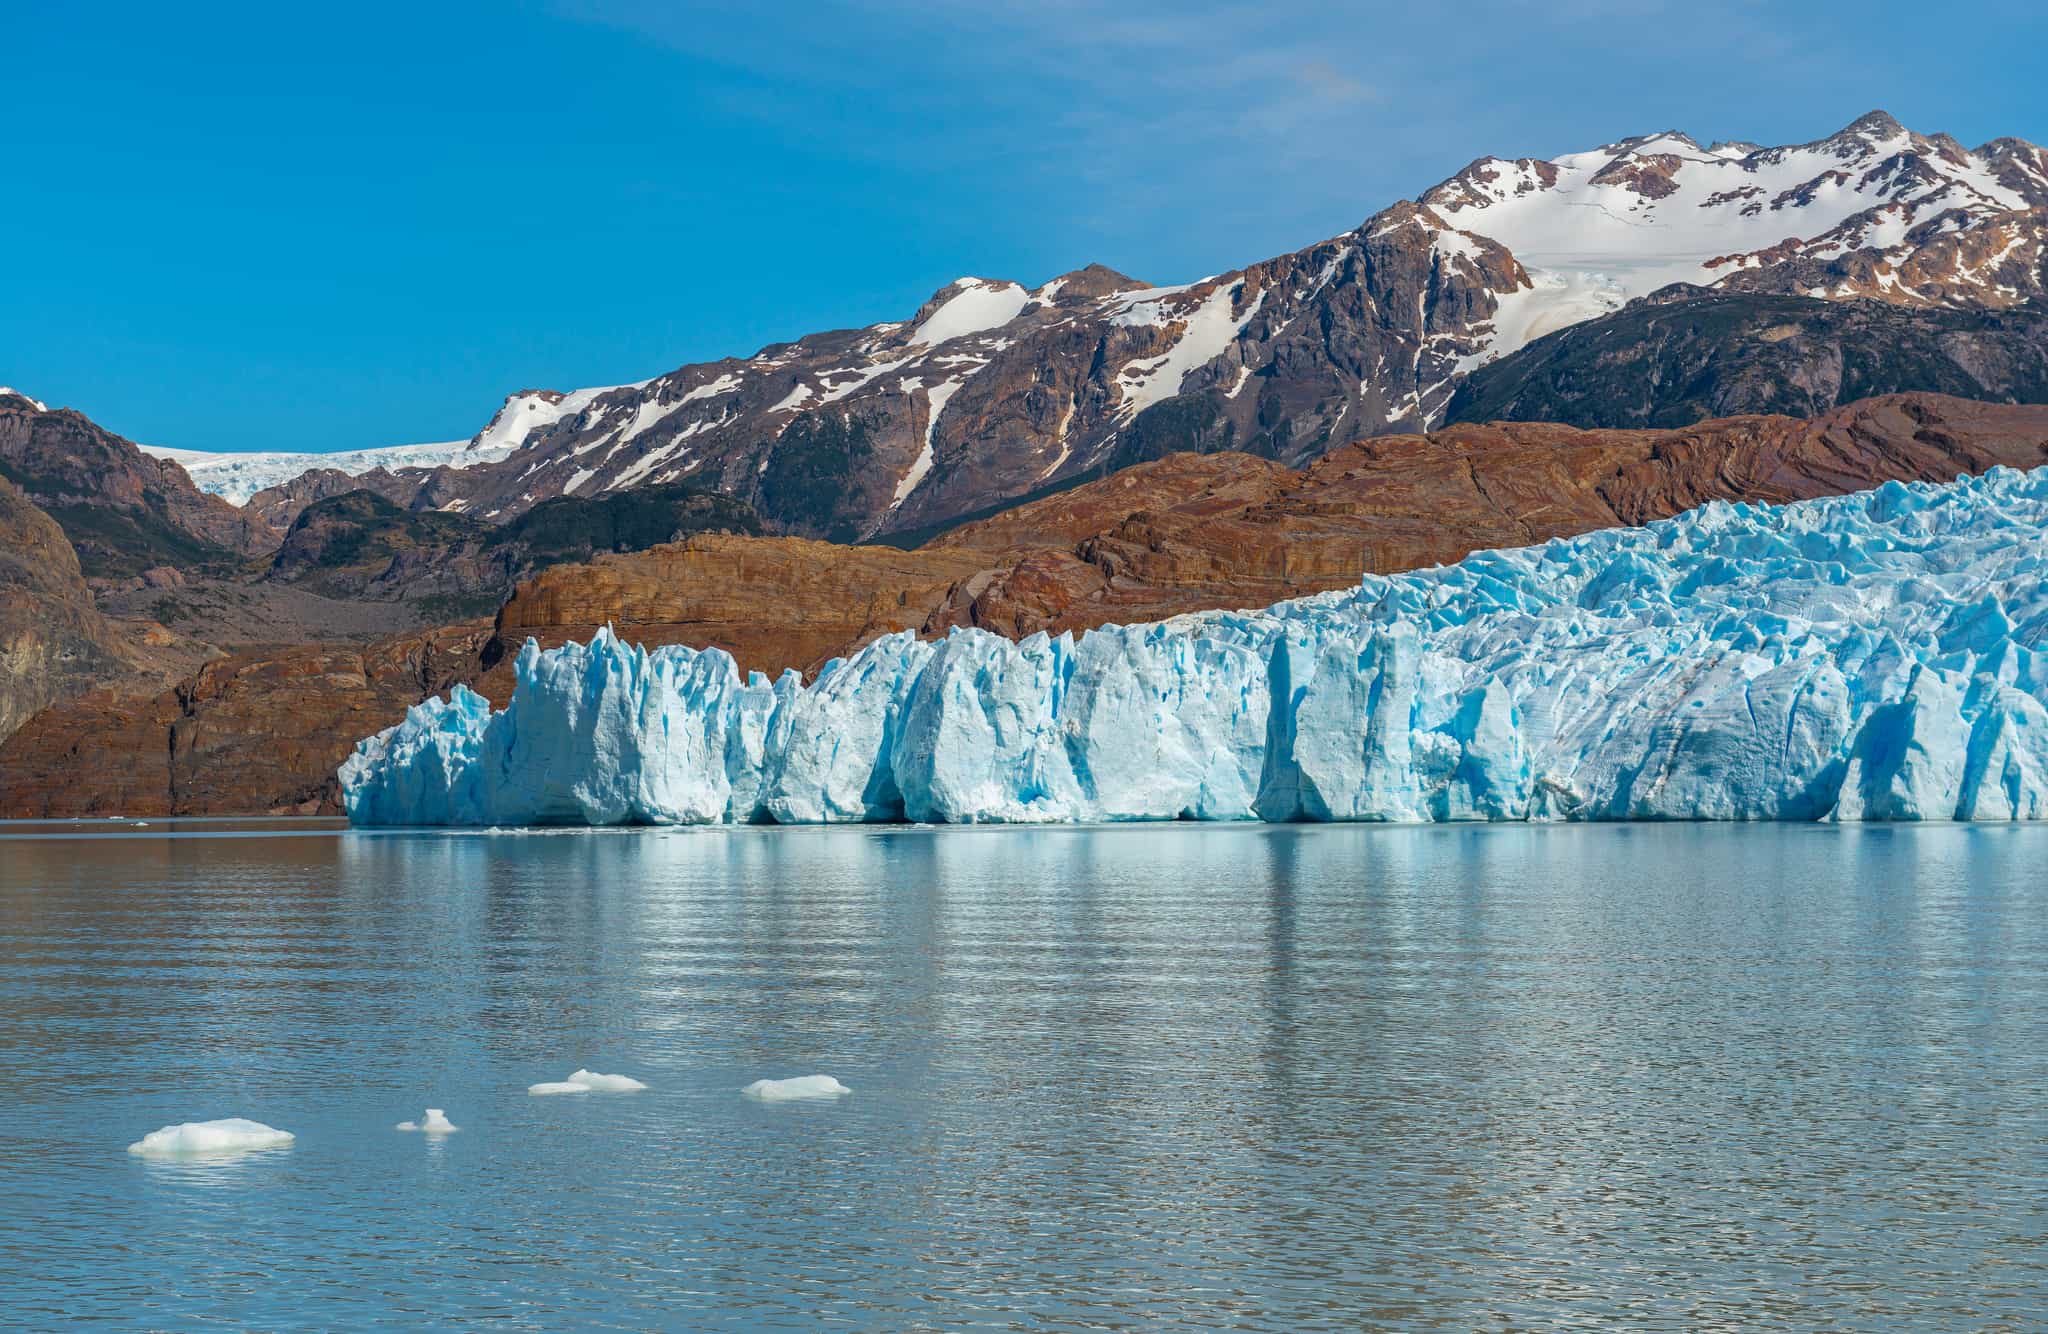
[805,1086]
[194,1138]
[588,1081]
[436,1123]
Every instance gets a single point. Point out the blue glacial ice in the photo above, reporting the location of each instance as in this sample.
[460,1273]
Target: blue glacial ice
[1878,656]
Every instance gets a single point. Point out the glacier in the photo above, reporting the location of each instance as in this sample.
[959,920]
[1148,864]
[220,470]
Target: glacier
[236,478]
[1876,656]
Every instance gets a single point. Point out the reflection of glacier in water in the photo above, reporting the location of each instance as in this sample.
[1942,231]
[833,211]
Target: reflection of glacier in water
[1868,657]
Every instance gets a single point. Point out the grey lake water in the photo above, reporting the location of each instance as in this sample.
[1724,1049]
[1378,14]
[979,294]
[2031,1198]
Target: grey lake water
[1644,1077]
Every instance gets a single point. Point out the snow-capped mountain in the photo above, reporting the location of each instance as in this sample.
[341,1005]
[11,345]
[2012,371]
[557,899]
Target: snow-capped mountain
[992,390]
[1874,211]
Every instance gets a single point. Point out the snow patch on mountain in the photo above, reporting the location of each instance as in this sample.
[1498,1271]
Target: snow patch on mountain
[977,307]
[531,411]
[1210,329]
[724,384]
[936,399]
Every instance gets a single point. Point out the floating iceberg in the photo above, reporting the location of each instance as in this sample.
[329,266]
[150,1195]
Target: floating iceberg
[787,1090]
[196,1138]
[587,1081]
[1878,656]
[435,1122]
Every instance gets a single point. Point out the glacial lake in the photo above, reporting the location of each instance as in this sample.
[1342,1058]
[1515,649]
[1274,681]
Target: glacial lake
[1268,1078]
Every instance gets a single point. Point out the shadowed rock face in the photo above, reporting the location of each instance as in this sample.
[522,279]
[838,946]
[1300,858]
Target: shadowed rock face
[1689,355]
[53,642]
[123,511]
[279,506]
[1179,534]
[361,546]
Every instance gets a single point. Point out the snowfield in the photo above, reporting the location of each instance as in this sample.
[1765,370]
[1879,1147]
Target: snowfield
[978,306]
[1878,656]
[236,477]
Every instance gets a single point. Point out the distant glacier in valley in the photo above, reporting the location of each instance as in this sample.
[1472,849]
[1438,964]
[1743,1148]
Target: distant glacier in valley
[1877,656]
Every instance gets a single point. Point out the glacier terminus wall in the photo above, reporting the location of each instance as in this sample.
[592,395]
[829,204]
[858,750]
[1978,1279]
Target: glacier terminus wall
[1878,656]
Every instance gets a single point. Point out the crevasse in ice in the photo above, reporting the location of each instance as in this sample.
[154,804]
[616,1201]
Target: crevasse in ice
[1878,656]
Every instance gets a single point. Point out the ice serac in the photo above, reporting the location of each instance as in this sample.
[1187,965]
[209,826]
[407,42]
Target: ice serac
[1878,656]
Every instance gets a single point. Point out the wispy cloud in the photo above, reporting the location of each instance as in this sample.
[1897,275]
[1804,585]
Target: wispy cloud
[1230,126]
[1334,83]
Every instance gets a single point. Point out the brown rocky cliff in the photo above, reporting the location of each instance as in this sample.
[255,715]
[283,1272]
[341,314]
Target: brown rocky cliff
[53,641]
[253,733]
[770,602]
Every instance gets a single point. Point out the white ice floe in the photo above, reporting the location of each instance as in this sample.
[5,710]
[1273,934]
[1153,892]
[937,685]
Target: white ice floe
[193,1139]
[588,1081]
[804,1086]
[435,1123]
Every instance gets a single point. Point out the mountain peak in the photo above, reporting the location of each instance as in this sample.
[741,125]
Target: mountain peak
[1095,280]
[1659,141]
[1872,125]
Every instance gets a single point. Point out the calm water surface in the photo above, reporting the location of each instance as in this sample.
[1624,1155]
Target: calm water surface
[1673,1077]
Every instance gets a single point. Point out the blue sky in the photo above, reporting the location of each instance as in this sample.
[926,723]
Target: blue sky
[326,227]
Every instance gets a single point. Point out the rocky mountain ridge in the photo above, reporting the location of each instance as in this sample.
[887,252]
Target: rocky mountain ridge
[992,391]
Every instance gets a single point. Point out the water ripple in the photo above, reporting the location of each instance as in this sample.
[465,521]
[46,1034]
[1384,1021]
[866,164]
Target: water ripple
[1652,1077]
